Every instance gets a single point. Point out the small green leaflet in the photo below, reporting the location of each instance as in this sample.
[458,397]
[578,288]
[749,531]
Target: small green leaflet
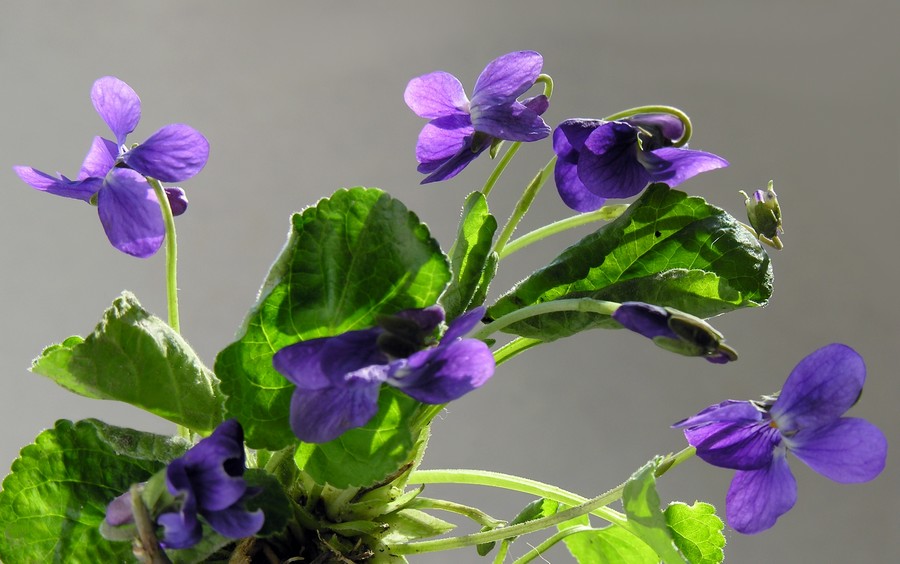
[469,255]
[697,531]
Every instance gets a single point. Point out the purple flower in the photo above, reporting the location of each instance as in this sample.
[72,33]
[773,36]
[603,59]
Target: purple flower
[754,437]
[339,378]
[113,175]
[599,159]
[209,481]
[675,331]
[461,129]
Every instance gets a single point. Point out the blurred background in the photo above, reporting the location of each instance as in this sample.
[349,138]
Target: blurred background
[301,98]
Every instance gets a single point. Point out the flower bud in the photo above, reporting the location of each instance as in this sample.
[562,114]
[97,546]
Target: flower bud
[764,214]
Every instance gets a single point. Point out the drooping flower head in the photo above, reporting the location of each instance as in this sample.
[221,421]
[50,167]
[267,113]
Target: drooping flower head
[338,378]
[114,175]
[599,159]
[207,481]
[675,331]
[805,419]
[461,129]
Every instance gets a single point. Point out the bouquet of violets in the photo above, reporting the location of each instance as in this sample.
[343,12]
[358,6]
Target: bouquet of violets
[303,442]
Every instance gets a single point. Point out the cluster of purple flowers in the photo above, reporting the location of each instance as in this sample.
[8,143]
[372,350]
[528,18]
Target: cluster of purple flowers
[114,176]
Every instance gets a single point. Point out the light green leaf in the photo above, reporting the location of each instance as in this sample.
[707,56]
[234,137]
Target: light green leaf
[53,502]
[667,249]
[353,256]
[412,524]
[612,545]
[645,520]
[469,255]
[365,455]
[137,358]
[697,531]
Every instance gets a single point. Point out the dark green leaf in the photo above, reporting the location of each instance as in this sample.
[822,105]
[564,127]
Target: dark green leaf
[271,499]
[667,249]
[469,254]
[365,455]
[53,502]
[697,532]
[645,519]
[136,358]
[350,258]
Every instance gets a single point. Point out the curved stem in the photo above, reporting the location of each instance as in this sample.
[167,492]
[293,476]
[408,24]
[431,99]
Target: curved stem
[501,166]
[531,191]
[547,544]
[171,254]
[606,213]
[513,348]
[683,117]
[573,304]
[472,513]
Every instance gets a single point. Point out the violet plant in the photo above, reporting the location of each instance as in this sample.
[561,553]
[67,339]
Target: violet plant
[304,440]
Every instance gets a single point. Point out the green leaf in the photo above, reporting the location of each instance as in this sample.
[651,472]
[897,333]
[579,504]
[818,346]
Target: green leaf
[611,545]
[645,520]
[137,358]
[365,455]
[469,255]
[53,502]
[271,498]
[697,531]
[666,249]
[353,256]
[412,524]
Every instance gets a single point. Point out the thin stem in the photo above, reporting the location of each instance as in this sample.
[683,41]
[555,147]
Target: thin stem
[606,213]
[513,348]
[574,304]
[547,544]
[472,513]
[501,166]
[531,191]
[171,254]
[683,117]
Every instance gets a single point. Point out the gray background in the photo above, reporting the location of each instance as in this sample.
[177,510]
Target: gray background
[298,99]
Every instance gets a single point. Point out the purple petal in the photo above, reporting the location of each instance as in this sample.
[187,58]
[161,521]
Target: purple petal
[437,94]
[608,165]
[506,77]
[130,214]
[119,511]
[848,450]
[319,363]
[442,138]
[78,190]
[177,200]
[215,467]
[117,104]
[463,324]
[235,522]
[736,445]
[756,499]
[572,191]
[180,529]
[649,320]
[100,159]
[319,416]
[537,104]
[444,373]
[821,388]
[571,134]
[174,153]
[664,128]
[428,319]
[732,411]
[454,165]
[673,166]
[512,122]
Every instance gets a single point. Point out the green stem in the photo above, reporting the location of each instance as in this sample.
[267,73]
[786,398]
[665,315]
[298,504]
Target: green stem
[547,544]
[573,304]
[513,348]
[171,254]
[595,506]
[472,513]
[501,166]
[606,213]
[683,117]
[531,191]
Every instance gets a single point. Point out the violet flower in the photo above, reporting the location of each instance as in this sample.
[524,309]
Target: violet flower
[113,175]
[599,159]
[209,481]
[675,331]
[461,129]
[755,437]
[339,378]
